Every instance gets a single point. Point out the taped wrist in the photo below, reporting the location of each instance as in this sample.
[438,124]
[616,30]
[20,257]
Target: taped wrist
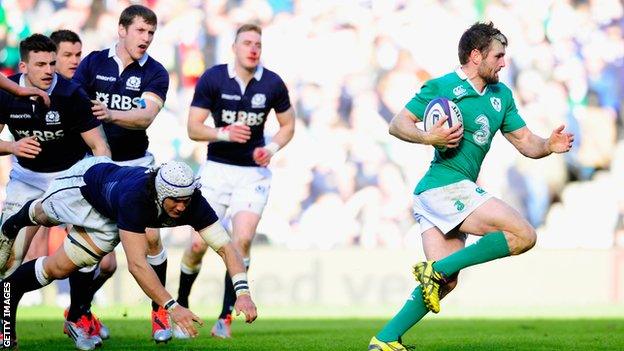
[223,134]
[241,286]
[272,148]
[170,305]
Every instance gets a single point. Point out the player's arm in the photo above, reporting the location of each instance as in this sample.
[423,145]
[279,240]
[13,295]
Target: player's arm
[534,146]
[286,120]
[96,141]
[219,240]
[135,247]
[27,147]
[18,90]
[198,131]
[136,118]
[403,126]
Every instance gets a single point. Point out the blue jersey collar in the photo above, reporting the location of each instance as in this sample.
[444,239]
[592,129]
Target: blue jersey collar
[22,82]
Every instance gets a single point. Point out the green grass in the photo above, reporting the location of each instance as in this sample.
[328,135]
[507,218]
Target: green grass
[40,329]
[353,334]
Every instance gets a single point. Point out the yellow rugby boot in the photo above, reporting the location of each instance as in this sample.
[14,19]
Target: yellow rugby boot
[378,345]
[430,281]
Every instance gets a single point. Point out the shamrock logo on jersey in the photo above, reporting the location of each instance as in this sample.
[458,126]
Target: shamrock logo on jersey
[496,103]
[52,118]
[459,205]
[133,83]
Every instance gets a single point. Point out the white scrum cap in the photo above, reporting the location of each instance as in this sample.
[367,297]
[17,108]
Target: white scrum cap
[175,179]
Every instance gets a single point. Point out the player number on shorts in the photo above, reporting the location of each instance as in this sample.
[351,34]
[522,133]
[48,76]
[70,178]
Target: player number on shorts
[482,135]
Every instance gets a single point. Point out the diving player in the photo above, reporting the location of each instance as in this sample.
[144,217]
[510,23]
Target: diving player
[106,204]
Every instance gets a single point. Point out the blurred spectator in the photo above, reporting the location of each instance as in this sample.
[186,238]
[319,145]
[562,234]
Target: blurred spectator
[350,66]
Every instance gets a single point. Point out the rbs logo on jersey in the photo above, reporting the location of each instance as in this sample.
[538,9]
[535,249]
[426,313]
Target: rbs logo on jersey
[118,102]
[249,118]
[41,135]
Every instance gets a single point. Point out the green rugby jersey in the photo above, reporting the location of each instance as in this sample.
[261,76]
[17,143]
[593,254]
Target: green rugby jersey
[483,115]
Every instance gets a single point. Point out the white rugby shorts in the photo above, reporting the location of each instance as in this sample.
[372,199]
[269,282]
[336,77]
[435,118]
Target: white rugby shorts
[94,235]
[447,206]
[145,161]
[236,187]
[24,185]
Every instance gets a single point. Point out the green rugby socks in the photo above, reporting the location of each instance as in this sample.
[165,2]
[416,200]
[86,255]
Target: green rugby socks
[411,313]
[490,247]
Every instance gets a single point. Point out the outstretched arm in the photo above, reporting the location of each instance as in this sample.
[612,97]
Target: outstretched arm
[218,239]
[135,246]
[534,146]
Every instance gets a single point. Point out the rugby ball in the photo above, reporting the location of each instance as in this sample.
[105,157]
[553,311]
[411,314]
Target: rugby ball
[437,109]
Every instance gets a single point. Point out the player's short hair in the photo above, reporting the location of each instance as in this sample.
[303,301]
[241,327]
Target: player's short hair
[35,43]
[249,27]
[479,36]
[64,35]
[132,11]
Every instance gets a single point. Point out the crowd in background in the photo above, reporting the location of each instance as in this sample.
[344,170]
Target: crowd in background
[350,67]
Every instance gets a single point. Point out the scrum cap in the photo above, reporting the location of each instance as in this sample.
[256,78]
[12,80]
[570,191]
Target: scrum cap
[175,179]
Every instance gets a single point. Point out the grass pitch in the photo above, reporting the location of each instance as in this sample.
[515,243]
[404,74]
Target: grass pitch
[40,329]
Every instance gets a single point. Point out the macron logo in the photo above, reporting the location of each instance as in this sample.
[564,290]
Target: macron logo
[230,97]
[105,78]
[19,116]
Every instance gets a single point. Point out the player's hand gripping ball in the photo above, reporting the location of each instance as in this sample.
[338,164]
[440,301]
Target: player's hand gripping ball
[436,110]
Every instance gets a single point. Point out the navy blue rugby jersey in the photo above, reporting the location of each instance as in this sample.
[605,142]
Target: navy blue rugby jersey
[57,128]
[123,195]
[102,76]
[218,91]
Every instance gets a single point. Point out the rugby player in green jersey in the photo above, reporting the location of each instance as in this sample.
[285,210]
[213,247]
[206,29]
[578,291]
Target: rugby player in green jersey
[448,203]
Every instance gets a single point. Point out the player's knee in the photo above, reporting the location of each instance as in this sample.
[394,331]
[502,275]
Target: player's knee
[523,240]
[243,243]
[530,240]
[108,267]
[56,271]
[154,244]
[198,248]
[449,286]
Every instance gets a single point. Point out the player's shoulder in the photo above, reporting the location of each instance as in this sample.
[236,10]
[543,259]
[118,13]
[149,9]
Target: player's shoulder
[270,76]
[500,88]
[153,65]
[96,56]
[446,79]
[65,87]
[216,72]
